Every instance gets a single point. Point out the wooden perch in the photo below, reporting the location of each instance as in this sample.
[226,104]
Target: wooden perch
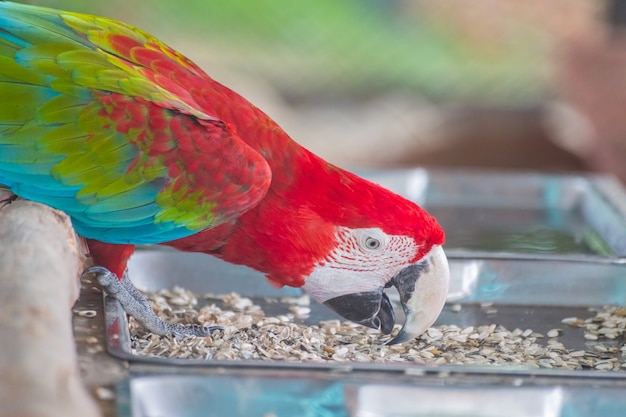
[40,263]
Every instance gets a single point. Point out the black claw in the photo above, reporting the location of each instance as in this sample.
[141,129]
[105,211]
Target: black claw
[8,200]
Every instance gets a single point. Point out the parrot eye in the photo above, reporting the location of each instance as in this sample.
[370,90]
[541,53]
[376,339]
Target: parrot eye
[372,243]
[371,239]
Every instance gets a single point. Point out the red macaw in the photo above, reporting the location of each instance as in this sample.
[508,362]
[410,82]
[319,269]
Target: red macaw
[139,146]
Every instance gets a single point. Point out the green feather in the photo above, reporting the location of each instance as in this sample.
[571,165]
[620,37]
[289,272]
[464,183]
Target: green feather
[60,109]
[42,59]
[21,101]
[50,27]
[12,71]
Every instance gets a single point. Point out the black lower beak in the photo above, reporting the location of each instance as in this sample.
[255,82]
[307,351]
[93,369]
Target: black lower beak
[372,309]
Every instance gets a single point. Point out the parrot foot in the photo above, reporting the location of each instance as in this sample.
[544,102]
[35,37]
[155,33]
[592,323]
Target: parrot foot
[138,306]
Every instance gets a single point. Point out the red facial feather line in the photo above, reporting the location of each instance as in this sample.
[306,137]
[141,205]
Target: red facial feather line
[393,254]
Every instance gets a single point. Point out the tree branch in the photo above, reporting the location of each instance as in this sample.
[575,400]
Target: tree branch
[40,262]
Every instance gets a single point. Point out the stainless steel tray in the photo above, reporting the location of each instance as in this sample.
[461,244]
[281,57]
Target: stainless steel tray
[536,248]
[309,395]
[531,289]
[487,214]
[522,293]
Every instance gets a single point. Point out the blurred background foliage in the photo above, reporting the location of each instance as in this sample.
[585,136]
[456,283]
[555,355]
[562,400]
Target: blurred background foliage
[390,82]
[486,49]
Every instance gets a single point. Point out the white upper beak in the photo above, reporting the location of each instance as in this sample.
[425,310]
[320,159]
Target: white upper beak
[423,303]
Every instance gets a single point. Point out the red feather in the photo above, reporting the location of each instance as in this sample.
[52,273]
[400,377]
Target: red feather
[294,226]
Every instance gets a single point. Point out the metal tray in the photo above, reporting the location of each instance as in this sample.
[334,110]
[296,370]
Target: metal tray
[528,288]
[522,293]
[537,248]
[503,214]
[308,395]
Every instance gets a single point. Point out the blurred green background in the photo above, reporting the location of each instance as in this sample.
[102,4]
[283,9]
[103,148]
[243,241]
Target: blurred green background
[350,47]
[384,82]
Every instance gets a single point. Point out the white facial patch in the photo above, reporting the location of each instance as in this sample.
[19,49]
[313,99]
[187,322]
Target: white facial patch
[364,260]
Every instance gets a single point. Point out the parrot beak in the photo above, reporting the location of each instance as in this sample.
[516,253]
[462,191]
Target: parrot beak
[372,309]
[423,288]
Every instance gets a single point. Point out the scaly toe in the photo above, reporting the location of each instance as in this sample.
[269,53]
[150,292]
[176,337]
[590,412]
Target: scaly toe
[194,330]
[104,276]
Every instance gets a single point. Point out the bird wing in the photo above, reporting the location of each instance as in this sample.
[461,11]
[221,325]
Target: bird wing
[102,121]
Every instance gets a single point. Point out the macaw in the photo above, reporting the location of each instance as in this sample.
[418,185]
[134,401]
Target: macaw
[138,145]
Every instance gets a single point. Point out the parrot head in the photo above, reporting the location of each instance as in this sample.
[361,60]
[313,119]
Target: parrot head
[379,240]
[346,245]
[353,278]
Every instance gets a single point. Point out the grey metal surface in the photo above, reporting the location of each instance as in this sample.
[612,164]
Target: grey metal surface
[307,395]
[490,214]
[520,293]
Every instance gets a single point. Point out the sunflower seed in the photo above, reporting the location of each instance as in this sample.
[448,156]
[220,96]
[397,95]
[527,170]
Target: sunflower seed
[87,313]
[248,333]
[553,333]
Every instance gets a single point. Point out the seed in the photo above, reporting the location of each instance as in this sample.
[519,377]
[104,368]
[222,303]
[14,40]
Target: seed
[427,354]
[87,313]
[572,321]
[468,330]
[553,333]
[303,300]
[434,333]
[330,323]
[608,330]
[242,303]
[300,311]
[104,394]
[462,338]
[605,366]
[178,301]
[250,334]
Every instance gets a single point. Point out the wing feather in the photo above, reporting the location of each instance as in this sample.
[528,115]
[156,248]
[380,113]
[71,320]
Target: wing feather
[94,121]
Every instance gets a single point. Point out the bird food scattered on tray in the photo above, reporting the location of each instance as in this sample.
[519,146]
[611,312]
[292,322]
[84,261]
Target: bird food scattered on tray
[249,334]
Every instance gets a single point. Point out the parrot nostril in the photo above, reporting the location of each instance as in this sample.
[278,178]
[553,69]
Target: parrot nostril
[376,322]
